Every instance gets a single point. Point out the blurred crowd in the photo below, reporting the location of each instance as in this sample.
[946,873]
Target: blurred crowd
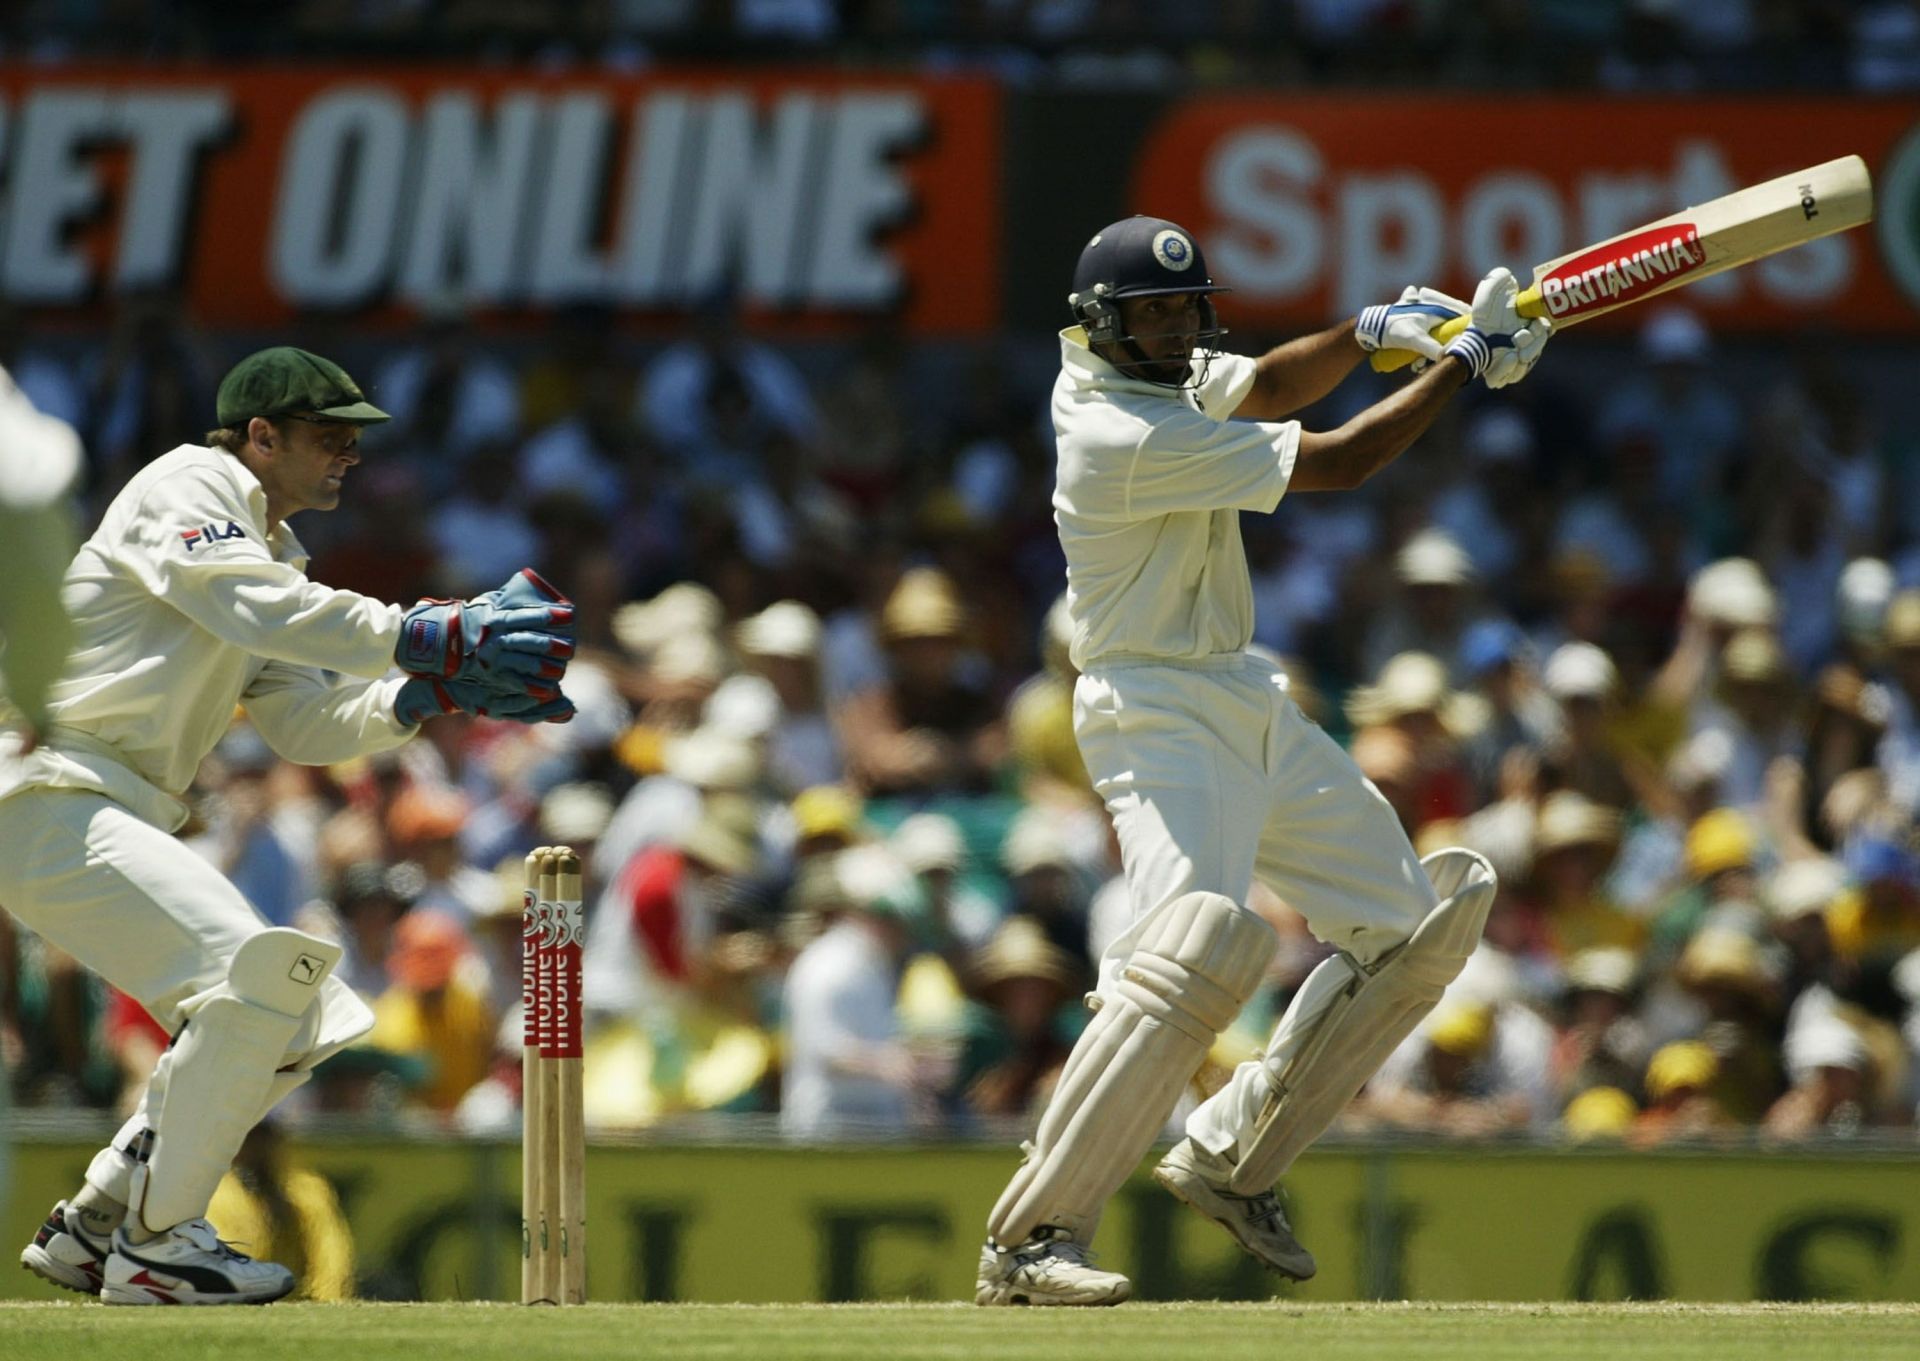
[1652,645]
[1870,45]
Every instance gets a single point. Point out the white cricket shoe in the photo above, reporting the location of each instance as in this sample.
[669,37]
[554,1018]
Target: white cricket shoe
[1048,1269]
[188,1264]
[65,1253]
[1256,1222]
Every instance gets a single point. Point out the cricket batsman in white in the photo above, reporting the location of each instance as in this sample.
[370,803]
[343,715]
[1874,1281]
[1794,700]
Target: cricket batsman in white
[188,600]
[1211,774]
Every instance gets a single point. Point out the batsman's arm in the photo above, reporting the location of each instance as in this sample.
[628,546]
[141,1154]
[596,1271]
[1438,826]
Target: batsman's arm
[1343,459]
[1299,373]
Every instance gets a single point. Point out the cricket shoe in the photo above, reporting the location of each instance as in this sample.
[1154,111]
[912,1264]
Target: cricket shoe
[188,1264]
[1257,1222]
[66,1254]
[1048,1269]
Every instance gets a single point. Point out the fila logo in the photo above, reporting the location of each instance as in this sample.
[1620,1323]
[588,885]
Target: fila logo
[211,534]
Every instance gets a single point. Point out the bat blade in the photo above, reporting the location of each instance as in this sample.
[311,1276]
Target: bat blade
[1693,244]
[1698,242]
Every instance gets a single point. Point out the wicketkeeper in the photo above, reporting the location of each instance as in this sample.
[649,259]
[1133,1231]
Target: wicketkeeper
[1210,773]
[188,600]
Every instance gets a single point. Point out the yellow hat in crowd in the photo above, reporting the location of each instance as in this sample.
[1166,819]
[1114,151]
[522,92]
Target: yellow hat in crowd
[827,810]
[1720,840]
[1676,1067]
[1462,1029]
[923,605]
[1599,1113]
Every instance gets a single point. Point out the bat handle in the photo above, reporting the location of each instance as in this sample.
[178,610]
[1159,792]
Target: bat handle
[1386,361]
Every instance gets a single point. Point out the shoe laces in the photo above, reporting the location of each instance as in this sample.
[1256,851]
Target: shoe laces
[1051,1244]
[203,1236]
[1262,1209]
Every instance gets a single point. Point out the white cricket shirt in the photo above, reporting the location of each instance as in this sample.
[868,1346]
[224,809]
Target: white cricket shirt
[1150,484]
[186,602]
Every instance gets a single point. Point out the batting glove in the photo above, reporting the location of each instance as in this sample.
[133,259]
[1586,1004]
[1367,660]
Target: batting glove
[1408,324]
[524,630]
[1500,345]
[424,697]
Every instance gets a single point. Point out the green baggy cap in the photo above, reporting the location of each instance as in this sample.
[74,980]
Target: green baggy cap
[283,379]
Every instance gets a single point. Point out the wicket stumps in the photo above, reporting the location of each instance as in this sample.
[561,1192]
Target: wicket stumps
[553,1168]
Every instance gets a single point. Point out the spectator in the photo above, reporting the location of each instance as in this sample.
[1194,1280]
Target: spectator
[283,1210]
[1413,697]
[1680,1103]
[1045,882]
[424,824]
[1899,753]
[782,643]
[1471,1069]
[1584,754]
[929,727]
[1602,1043]
[1832,1075]
[1723,971]
[1679,404]
[1574,843]
[435,1010]
[241,838]
[848,1073]
[1721,851]
[1046,756]
[1430,614]
[1494,661]
[1022,1026]
[931,845]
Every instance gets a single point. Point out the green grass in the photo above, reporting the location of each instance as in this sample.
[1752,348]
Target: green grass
[1135,1332]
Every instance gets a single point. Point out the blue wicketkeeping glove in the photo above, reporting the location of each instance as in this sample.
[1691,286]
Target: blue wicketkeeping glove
[425,697]
[520,632]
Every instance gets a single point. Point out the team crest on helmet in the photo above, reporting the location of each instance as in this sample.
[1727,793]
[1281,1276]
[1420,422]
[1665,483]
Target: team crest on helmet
[1172,249]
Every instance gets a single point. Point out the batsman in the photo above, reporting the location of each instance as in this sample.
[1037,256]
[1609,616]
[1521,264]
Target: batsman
[1211,774]
[192,598]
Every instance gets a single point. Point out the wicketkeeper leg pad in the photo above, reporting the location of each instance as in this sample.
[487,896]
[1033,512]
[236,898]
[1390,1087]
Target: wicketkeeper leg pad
[212,1086]
[1192,970]
[1346,1019]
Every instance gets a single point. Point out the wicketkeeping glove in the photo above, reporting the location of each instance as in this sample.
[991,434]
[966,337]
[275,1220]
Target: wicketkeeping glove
[1408,324]
[424,697]
[523,631]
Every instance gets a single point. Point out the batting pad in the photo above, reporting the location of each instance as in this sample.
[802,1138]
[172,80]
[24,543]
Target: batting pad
[1345,1020]
[1189,975]
[212,1086]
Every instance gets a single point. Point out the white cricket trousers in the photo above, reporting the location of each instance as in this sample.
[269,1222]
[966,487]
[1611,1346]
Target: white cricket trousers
[141,910]
[1213,777]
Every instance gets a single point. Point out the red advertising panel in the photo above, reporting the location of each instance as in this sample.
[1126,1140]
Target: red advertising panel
[264,191]
[1313,207]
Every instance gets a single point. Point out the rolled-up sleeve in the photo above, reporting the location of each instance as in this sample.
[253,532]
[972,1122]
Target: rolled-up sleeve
[1186,462]
[314,718]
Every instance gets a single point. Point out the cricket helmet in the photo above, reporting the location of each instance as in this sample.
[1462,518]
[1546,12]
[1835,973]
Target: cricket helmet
[1135,258]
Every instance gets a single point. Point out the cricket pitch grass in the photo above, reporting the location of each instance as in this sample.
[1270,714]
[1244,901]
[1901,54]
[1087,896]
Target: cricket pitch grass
[879,1332]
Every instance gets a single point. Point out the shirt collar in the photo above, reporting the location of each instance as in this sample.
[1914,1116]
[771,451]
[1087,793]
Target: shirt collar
[279,539]
[1089,371]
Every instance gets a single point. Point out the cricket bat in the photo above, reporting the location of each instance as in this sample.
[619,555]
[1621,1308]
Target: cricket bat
[1693,244]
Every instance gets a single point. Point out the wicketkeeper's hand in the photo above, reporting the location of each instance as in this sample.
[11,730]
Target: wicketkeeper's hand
[1500,345]
[521,632]
[423,697]
[1409,323]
